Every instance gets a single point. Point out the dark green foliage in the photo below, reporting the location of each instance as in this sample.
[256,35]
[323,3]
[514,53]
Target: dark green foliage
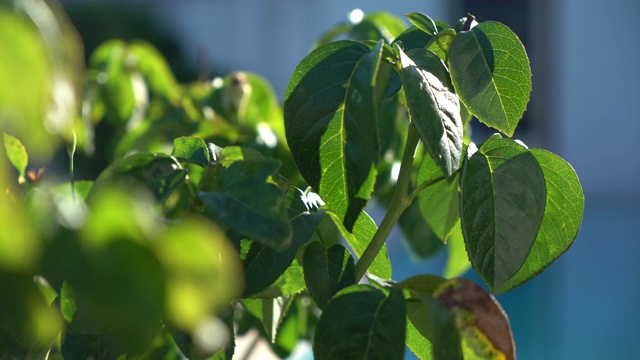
[197,228]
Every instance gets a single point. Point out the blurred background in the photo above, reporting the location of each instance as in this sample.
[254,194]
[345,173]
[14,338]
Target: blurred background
[585,58]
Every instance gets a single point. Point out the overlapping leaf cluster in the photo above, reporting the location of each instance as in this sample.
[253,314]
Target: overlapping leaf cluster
[203,223]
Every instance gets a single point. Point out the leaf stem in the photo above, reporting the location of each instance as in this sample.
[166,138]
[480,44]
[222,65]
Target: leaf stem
[399,202]
[71,150]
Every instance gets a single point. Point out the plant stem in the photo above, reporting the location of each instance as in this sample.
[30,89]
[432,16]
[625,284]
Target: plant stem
[399,202]
[71,150]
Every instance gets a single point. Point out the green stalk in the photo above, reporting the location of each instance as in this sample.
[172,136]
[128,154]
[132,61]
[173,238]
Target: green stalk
[399,202]
[71,149]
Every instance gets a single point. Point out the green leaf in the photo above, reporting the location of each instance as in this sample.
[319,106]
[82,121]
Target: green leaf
[423,22]
[359,239]
[263,265]
[439,203]
[160,173]
[441,43]
[244,199]
[421,284]
[271,312]
[457,258]
[327,271]
[434,107]
[502,202]
[112,80]
[376,26]
[330,106]
[191,149]
[291,282]
[154,68]
[433,331]
[418,235]
[419,345]
[17,155]
[490,71]
[203,271]
[561,220]
[414,38]
[364,324]
[40,75]
[484,329]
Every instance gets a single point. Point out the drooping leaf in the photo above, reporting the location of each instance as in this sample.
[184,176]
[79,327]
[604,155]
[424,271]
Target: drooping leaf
[439,203]
[491,74]
[160,173]
[484,328]
[327,271]
[17,155]
[362,323]
[244,200]
[191,149]
[359,239]
[561,220]
[502,202]
[330,113]
[434,107]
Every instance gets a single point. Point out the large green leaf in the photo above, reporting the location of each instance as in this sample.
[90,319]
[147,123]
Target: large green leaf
[327,271]
[359,239]
[561,221]
[244,198]
[502,201]
[362,323]
[439,203]
[330,116]
[490,71]
[434,107]
[484,329]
